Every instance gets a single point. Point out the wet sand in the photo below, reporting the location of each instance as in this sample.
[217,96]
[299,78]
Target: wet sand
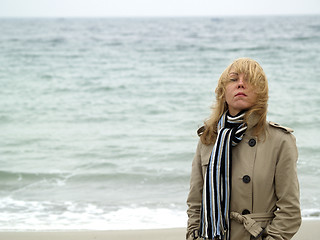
[310,230]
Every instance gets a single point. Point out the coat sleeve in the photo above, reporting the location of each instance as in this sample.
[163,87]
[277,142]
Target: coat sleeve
[287,218]
[195,194]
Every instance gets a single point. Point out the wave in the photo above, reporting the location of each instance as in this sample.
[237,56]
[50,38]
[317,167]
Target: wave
[54,41]
[310,213]
[106,88]
[92,175]
[131,178]
[5,119]
[26,176]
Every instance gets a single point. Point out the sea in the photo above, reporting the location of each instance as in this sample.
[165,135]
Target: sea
[98,116]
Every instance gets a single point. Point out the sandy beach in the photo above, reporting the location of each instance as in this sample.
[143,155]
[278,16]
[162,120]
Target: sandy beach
[310,230]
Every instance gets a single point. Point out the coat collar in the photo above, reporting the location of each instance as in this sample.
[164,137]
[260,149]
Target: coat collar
[251,123]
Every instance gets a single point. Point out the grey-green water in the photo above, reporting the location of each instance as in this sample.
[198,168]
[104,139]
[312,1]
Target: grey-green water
[98,117]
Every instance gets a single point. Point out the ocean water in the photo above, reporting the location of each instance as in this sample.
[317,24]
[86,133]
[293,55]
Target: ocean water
[98,117]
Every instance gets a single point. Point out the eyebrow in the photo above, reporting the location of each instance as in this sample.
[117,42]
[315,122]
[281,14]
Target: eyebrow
[233,73]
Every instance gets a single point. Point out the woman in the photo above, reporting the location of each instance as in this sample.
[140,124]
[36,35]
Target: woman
[244,181]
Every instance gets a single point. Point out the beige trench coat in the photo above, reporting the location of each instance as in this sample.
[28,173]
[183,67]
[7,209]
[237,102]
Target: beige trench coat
[265,188]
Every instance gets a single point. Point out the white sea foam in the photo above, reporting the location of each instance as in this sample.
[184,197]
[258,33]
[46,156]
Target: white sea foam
[74,216]
[68,215]
[311,213]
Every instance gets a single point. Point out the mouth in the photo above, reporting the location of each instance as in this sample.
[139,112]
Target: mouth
[240,94]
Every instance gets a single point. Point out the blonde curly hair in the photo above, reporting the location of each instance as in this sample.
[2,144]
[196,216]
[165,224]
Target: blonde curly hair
[257,78]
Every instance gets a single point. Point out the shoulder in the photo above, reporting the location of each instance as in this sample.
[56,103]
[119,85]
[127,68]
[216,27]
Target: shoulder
[282,141]
[204,149]
[281,135]
[276,126]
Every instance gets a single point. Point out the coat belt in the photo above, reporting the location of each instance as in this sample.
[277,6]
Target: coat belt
[251,221]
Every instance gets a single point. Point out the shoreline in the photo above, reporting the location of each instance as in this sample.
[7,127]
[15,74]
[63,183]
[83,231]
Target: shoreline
[309,230]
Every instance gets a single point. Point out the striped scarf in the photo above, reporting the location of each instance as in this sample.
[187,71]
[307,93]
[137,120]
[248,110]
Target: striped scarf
[217,184]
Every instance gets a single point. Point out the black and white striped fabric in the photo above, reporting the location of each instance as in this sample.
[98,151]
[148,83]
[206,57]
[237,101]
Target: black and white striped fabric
[217,184]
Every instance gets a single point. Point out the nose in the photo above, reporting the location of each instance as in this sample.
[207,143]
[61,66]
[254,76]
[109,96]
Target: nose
[241,82]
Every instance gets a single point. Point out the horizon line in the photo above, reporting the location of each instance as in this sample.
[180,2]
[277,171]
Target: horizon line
[172,16]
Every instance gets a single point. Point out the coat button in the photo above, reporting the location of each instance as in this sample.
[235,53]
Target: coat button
[252,142]
[246,179]
[246,211]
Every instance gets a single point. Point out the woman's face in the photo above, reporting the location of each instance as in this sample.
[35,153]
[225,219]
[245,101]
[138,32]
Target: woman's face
[240,95]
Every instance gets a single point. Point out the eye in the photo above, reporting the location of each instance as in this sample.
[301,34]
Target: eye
[233,79]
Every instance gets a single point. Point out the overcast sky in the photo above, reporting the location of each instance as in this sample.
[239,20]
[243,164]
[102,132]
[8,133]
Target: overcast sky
[143,8]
